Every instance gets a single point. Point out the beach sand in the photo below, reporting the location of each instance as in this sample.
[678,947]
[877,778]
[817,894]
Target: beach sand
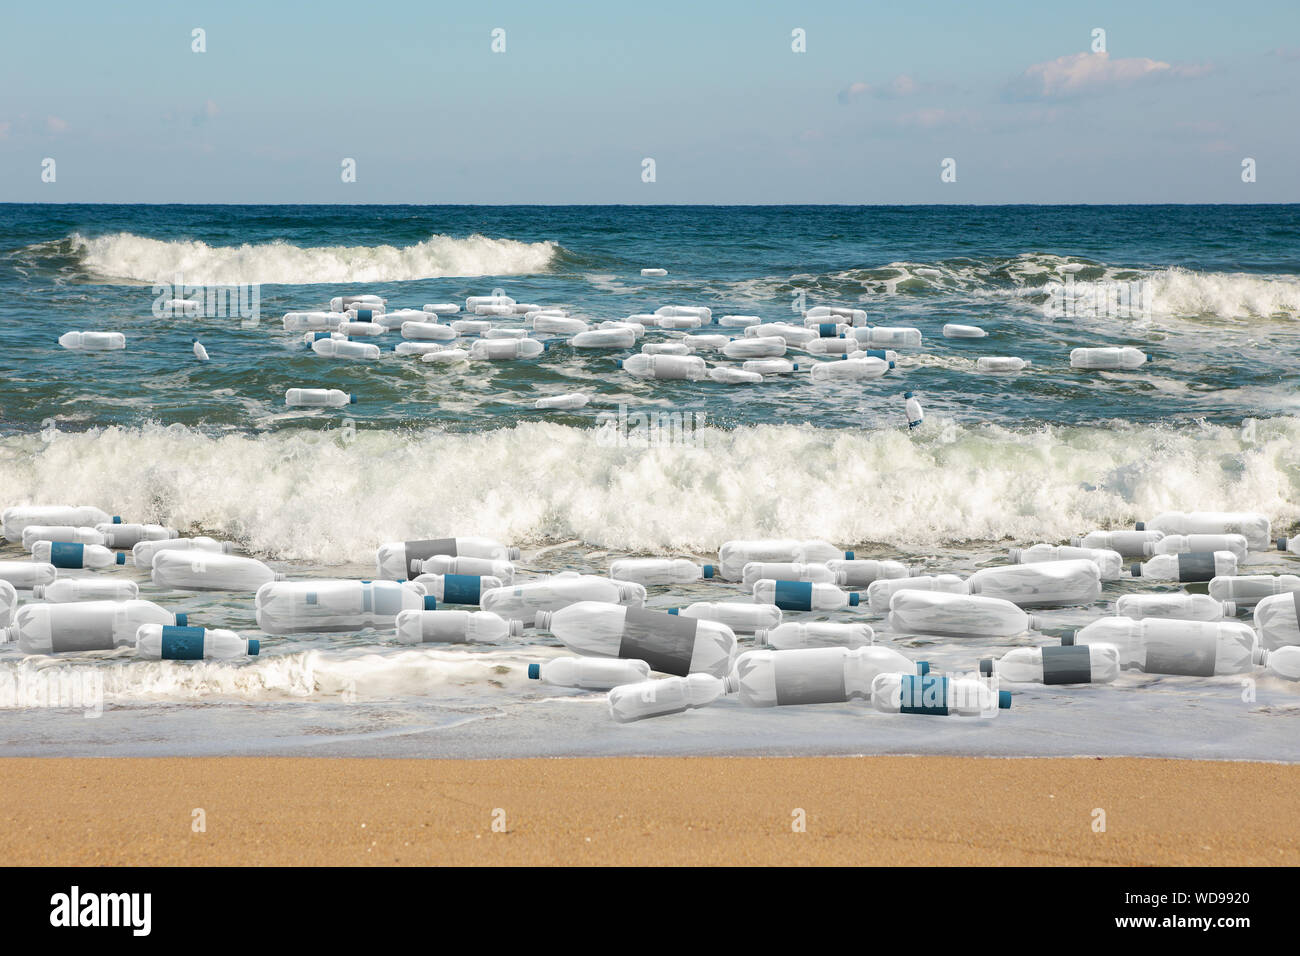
[660,810]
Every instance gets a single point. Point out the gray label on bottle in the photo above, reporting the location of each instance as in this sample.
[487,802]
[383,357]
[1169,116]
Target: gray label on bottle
[417,551]
[1189,655]
[664,641]
[1196,566]
[812,676]
[1067,665]
[94,637]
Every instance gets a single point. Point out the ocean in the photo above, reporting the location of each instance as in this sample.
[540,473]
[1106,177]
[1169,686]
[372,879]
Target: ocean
[1210,293]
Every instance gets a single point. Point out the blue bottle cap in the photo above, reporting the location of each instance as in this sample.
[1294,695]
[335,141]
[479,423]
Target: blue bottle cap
[922,668]
[352,399]
[254,646]
[1004,700]
[182,620]
[121,557]
[117,519]
[986,667]
[907,394]
[854,598]
[673,610]
[796,366]
[1135,570]
[430,602]
[1141,526]
[534,671]
[708,570]
[619,363]
[1281,544]
[891,364]
[848,555]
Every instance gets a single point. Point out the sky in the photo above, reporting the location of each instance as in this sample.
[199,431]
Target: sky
[1018,95]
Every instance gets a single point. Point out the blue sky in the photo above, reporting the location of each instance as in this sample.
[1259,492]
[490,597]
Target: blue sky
[713,92]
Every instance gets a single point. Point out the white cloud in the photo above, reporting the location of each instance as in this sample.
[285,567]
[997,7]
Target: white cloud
[1083,73]
[900,86]
[55,124]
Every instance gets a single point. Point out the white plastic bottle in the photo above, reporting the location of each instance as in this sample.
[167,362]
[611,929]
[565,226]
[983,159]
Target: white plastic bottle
[756,571]
[329,604]
[319,397]
[1107,357]
[769,366]
[446,564]
[1128,543]
[1253,526]
[400,559]
[688,367]
[505,349]
[815,675]
[78,516]
[734,555]
[837,346]
[1074,664]
[458,588]
[1040,583]
[1246,589]
[1283,662]
[669,643]
[84,625]
[568,400]
[341,302]
[1192,543]
[1001,363]
[561,325]
[170,643]
[968,615]
[441,308]
[312,321]
[1276,621]
[671,695]
[659,571]
[361,330]
[93,341]
[880,593]
[763,346]
[686,310]
[25,575]
[445,356]
[123,536]
[846,314]
[665,348]
[623,338]
[955,331]
[200,352]
[803,595]
[861,573]
[1189,566]
[739,321]
[852,368]
[63,554]
[454,627]
[725,375]
[798,634]
[142,554]
[816,551]
[345,349]
[937,696]
[1174,604]
[45,532]
[912,406]
[589,673]
[1162,646]
[523,601]
[428,332]
[901,337]
[742,617]
[66,590]
[1109,563]
[1289,544]
[209,571]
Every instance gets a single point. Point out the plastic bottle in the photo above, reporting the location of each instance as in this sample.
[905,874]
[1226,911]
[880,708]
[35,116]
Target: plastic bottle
[428,332]
[454,627]
[589,673]
[816,675]
[341,302]
[66,590]
[1001,363]
[765,346]
[566,401]
[44,532]
[798,634]
[604,339]
[803,595]
[1253,526]
[475,300]
[739,321]
[93,341]
[445,356]
[458,588]
[345,348]
[741,617]
[1040,583]
[861,573]
[1174,604]
[78,516]
[650,273]
[63,554]
[889,337]
[124,536]
[8,602]
[503,571]
[361,330]
[313,321]
[1127,543]
[401,559]
[143,552]
[688,367]
[967,615]
[657,698]
[1289,544]
[735,554]
[733,376]
[1283,662]
[665,348]
[496,350]
[669,643]
[564,325]
[659,571]
[843,313]
[441,308]
[200,352]
[1160,646]
[319,397]
[169,643]
[1107,357]
[837,346]
[769,366]
[794,335]
[1109,563]
[638,330]
[915,415]
[1189,566]
[1077,664]
[1247,589]
[25,575]
[328,604]
[789,571]
[1193,543]
[937,696]
[523,601]
[850,368]
[209,571]
[1276,620]
[686,310]
[954,331]
[707,342]
[881,592]
[84,625]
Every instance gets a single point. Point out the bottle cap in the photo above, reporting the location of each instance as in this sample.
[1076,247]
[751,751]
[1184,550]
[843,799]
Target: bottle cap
[1004,700]
[907,394]
[848,555]
[542,621]
[534,671]
[891,364]
[1067,640]
[1140,526]
[674,610]
[1135,570]
[618,363]
[854,598]
[120,558]
[182,620]
[708,570]
[986,667]
[430,602]
[1258,655]
[1281,544]
[1032,622]
[352,399]
[254,646]
[760,637]
[516,628]
[117,519]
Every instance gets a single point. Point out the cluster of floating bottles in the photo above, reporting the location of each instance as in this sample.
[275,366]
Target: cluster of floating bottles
[621,642]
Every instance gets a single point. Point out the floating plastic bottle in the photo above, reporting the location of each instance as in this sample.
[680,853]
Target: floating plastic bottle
[589,673]
[843,313]
[129,535]
[454,627]
[44,532]
[319,397]
[77,516]
[658,698]
[313,321]
[659,571]
[361,330]
[341,302]
[496,350]
[798,634]
[665,348]
[84,625]
[345,349]
[441,308]
[142,554]
[669,643]
[741,617]
[861,573]
[706,342]
[637,329]
[445,356]
[1161,646]
[964,615]
[1289,544]
[26,575]
[850,368]
[881,592]
[496,332]
[739,321]
[474,300]
[689,367]
[604,339]
[881,336]
[756,571]
[765,346]
[1248,589]
[651,273]
[458,588]
[562,325]
[93,341]
[769,366]
[170,643]
[954,331]
[496,311]
[793,335]
[522,602]
[1176,605]
[685,310]
[733,376]
[503,571]
[803,595]
[428,332]
[936,696]
[912,406]
[399,317]
[1190,566]
[1128,543]
[329,605]
[1040,583]
[1107,357]
[1276,619]
[64,554]
[401,559]
[1109,563]
[200,352]
[209,571]
[1076,664]
[817,675]
[1283,662]
[1192,543]
[569,400]
[1001,363]
[837,346]
[1251,525]
[66,590]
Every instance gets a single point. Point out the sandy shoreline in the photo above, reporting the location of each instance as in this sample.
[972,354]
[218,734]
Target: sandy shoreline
[662,810]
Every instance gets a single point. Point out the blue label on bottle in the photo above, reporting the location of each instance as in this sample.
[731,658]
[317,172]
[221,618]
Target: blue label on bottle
[827,330]
[65,554]
[460,588]
[182,643]
[924,695]
[793,595]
